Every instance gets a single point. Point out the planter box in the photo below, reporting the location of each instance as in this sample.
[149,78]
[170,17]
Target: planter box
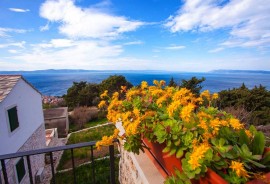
[167,165]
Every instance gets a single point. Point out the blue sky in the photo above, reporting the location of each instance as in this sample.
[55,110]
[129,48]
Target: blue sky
[174,35]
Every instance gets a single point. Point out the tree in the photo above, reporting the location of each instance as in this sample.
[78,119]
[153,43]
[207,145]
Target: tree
[114,83]
[81,94]
[72,97]
[256,101]
[194,84]
[172,83]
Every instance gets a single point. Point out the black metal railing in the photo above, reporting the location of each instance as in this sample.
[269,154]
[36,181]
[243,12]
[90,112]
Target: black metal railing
[50,151]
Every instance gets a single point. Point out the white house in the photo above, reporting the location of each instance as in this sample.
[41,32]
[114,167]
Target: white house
[21,125]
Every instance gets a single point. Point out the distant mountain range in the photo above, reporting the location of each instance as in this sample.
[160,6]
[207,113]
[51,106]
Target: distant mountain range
[129,71]
[240,71]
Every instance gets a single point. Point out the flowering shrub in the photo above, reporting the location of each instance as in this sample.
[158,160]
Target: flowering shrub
[192,129]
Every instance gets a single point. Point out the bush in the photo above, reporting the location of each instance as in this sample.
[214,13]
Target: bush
[80,116]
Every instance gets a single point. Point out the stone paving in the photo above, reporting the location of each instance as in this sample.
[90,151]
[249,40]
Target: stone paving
[47,174]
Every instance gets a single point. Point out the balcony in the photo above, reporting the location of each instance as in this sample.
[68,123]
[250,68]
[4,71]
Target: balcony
[92,169]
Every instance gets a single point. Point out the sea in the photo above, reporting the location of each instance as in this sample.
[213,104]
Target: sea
[56,83]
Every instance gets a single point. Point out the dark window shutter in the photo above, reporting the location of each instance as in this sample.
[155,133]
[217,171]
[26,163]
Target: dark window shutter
[20,169]
[13,118]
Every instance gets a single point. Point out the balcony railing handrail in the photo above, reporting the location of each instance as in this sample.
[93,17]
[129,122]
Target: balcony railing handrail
[50,150]
[46,150]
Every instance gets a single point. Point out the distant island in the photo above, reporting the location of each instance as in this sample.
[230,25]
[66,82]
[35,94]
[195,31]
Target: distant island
[127,71]
[240,71]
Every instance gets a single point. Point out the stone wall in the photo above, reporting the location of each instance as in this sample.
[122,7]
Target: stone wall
[137,169]
[36,141]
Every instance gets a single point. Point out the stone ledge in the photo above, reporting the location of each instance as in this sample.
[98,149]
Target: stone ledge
[138,169]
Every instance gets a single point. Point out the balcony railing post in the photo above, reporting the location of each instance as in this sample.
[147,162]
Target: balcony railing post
[93,165]
[73,166]
[4,171]
[112,169]
[52,167]
[29,169]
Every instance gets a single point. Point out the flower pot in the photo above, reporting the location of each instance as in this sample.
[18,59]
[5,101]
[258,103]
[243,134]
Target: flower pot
[166,166]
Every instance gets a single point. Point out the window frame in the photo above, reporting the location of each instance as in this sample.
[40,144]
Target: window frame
[16,172]
[11,132]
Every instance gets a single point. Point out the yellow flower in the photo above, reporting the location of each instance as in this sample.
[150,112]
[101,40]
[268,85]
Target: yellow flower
[136,112]
[249,134]
[186,112]
[157,92]
[144,85]
[203,124]
[132,92]
[215,96]
[102,104]
[236,124]
[115,95]
[156,82]
[161,100]
[104,94]
[198,154]
[239,169]
[205,94]
[105,141]
[173,107]
[162,82]
[215,124]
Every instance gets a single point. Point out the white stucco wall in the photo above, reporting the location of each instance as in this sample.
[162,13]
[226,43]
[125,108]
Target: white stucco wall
[30,115]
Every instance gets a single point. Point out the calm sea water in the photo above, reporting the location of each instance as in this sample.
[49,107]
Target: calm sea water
[56,84]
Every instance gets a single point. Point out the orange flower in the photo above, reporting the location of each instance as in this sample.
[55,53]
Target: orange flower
[239,169]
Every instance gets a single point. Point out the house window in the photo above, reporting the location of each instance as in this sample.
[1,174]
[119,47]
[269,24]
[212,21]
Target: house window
[13,118]
[20,169]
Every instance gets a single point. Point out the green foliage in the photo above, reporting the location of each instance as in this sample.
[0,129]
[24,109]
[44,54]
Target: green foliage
[132,143]
[114,83]
[84,136]
[84,173]
[172,83]
[258,143]
[87,94]
[81,94]
[194,84]
[256,101]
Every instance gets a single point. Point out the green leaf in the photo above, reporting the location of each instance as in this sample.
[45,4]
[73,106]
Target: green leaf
[177,143]
[243,138]
[258,143]
[245,151]
[256,163]
[179,153]
[266,158]
[166,149]
[173,150]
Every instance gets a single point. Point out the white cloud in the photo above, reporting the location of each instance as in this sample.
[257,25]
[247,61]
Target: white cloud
[4,31]
[19,10]
[14,44]
[175,47]
[64,53]
[12,51]
[216,50]
[79,22]
[44,28]
[134,43]
[248,20]
[56,43]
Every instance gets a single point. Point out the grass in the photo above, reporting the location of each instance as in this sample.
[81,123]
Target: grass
[92,123]
[84,173]
[82,155]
